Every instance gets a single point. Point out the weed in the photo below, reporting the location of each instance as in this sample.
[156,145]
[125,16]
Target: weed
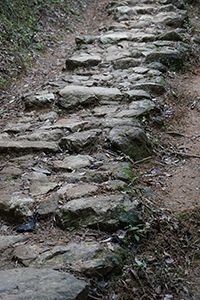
[136,231]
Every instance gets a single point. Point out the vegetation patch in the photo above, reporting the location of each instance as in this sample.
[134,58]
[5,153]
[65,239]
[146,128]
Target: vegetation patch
[30,26]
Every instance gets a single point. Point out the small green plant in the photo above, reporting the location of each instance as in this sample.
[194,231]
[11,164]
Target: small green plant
[70,228]
[136,231]
[180,215]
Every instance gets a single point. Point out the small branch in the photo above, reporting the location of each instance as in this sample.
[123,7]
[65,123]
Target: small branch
[185,154]
[142,160]
[175,133]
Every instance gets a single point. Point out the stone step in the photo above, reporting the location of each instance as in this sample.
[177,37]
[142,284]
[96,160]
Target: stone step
[27,146]
[41,284]
[103,212]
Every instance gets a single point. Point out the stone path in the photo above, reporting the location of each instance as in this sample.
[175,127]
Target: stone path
[69,156]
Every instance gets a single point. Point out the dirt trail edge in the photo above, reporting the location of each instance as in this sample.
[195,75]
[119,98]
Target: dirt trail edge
[100,161]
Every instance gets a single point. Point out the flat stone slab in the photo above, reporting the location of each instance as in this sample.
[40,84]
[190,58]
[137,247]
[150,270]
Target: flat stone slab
[41,187]
[43,135]
[112,38]
[104,212]
[101,111]
[137,108]
[84,176]
[42,284]
[79,141]
[126,63]
[8,240]
[72,191]
[17,127]
[150,87]
[75,61]
[72,95]
[67,123]
[168,57]
[86,257]
[117,122]
[27,146]
[10,172]
[73,162]
[138,95]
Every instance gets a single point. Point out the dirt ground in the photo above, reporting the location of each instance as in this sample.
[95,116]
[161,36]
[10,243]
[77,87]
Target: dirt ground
[173,173]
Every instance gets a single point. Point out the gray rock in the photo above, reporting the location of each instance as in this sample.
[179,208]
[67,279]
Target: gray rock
[112,38]
[126,63]
[142,37]
[85,39]
[86,257]
[8,240]
[73,162]
[40,170]
[169,58]
[42,100]
[17,205]
[138,95]
[172,19]
[25,254]
[107,94]
[104,212]
[113,185]
[82,61]
[71,191]
[101,111]
[170,36]
[45,284]
[196,39]
[19,127]
[117,122]
[158,66]
[85,176]
[154,88]
[137,108]
[140,70]
[10,172]
[120,171]
[43,135]
[122,10]
[27,146]
[74,95]
[41,186]
[131,141]
[68,123]
[4,136]
[80,141]
[51,116]
[48,206]
[145,9]
[75,177]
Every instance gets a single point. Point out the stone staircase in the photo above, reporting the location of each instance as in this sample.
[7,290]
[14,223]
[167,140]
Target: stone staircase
[71,151]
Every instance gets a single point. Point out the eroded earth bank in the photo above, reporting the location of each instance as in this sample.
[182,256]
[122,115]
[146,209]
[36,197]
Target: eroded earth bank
[100,161]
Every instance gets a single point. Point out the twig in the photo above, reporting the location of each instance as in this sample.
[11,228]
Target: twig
[185,154]
[144,159]
[175,133]
[92,297]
